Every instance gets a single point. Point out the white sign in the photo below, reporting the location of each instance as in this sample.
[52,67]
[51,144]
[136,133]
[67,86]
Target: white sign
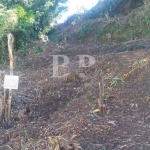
[11,82]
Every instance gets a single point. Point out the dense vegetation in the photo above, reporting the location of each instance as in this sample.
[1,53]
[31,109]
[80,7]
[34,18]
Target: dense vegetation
[26,19]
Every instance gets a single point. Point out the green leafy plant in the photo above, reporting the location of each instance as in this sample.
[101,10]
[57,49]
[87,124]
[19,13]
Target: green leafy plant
[115,80]
[25,20]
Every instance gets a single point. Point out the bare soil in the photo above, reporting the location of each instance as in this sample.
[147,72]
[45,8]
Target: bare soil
[60,113]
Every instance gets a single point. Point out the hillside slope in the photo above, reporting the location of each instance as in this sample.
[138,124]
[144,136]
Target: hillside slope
[63,113]
[65,107]
[105,29]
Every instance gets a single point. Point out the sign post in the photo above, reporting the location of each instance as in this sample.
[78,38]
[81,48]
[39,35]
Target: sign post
[8,79]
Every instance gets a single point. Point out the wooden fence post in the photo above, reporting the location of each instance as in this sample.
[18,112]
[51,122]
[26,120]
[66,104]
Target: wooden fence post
[8,100]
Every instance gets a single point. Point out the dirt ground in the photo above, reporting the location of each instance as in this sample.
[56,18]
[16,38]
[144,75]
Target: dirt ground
[62,113]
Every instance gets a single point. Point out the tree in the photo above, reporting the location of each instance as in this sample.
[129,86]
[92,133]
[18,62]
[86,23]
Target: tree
[25,19]
[113,8]
[42,12]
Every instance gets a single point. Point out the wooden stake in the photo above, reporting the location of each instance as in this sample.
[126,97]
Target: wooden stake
[101,104]
[8,102]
